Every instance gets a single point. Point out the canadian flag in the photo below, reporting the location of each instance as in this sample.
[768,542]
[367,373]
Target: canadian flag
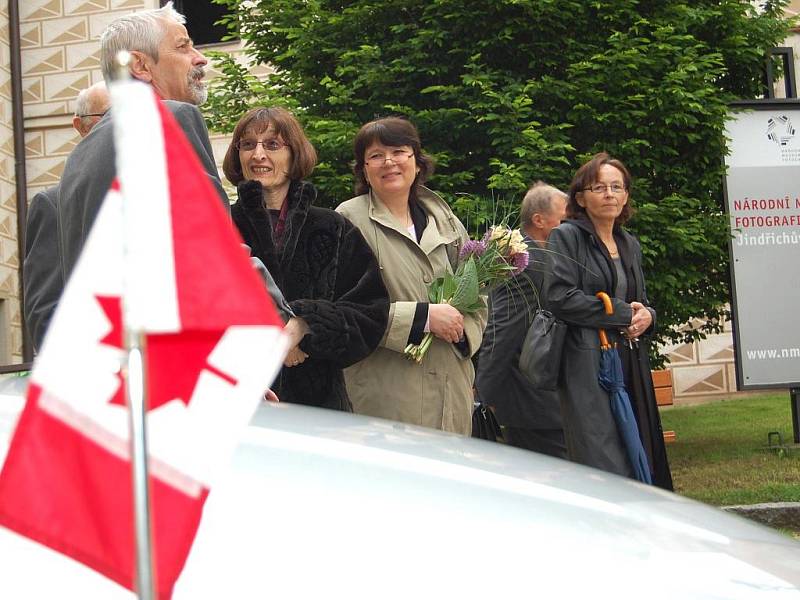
[213,344]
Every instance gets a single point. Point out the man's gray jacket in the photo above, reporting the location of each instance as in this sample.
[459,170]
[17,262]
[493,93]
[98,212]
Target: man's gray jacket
[42,266]
[91,167]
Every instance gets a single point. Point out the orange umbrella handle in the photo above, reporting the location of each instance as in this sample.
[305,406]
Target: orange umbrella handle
[604,343]
[606,302]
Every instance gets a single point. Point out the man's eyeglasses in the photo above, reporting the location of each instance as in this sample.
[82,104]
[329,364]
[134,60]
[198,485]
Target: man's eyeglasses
[268,145]
[398,157]
[93,115]
[600,188]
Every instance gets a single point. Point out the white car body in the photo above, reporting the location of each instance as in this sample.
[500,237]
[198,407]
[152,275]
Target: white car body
[319,503]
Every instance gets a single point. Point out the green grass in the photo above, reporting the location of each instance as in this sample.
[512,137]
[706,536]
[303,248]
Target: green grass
[720,454]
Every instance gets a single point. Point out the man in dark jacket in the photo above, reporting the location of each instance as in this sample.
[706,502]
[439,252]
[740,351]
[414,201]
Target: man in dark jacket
[531,418]
[42,266]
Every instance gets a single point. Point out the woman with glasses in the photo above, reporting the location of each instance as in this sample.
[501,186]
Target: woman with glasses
[592,253]
[318,259]
[416,238]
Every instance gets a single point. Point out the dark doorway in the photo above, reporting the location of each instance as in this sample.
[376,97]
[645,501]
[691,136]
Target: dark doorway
[201,16]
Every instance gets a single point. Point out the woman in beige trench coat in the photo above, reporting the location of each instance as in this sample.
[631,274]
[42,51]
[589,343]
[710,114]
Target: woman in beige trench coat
[416,238]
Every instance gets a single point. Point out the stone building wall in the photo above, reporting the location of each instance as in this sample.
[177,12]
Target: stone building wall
[703,368]
[10,314]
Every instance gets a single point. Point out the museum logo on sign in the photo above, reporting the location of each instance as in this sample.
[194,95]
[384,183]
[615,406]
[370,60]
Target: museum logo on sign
[781,131]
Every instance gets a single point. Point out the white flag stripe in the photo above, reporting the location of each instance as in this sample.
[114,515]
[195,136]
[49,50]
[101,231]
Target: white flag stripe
[218,408]
[72,355]
[151,300]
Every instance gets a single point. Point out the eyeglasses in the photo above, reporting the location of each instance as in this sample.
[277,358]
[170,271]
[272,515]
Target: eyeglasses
[600,188]
[272,145]
[398,157]
[93,114]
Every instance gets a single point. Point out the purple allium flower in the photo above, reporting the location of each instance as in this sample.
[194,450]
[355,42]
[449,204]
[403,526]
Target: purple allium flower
[520,261]
[472,247]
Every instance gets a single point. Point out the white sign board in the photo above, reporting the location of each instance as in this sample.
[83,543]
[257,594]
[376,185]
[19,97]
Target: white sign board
[763,203]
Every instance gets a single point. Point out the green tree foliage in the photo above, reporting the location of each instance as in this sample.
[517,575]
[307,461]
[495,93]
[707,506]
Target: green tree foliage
[506,92]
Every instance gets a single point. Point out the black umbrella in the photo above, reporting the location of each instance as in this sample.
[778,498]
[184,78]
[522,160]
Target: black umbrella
[612,380]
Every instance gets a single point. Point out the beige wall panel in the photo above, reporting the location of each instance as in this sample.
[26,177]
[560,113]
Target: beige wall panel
[219,145]
[5,85]
[32,10]
[65,31]
[717,348]
[66,85]
[45,171]
[682,354]
[30,35]
[98,22]
[32,91]
[15,314]
[83,56]
[7,223]
[730,370]
[73,7]
[34,144]
[5,58]
[40,61]
[133,4]
[8,281]
[700,380]
[8,192]
[7,167]
[60,141]
[45,109]
[10,257]
[6,140]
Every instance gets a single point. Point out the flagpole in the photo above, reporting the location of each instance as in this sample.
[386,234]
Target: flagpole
[135,376]
[136,392]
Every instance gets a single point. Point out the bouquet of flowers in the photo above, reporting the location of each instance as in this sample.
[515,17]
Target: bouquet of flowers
[485,263]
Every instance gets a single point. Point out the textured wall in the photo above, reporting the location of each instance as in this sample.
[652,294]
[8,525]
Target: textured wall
[10,314]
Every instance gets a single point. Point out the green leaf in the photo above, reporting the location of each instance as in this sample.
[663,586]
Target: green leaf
[467,291]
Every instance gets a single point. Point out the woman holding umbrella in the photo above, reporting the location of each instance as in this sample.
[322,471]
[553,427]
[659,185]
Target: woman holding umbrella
[592,253]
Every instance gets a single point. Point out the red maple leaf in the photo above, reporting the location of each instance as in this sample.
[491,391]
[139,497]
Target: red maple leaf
[112,308]
[174,361]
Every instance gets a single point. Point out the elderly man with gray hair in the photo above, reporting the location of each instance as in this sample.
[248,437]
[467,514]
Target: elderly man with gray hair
[162,55]
[531,418]
[90,106]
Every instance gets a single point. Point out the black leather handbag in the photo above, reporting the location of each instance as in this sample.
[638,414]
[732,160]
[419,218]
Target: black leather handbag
[540,358]
[484,424]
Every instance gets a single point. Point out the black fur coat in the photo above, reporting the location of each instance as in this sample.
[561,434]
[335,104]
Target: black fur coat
[330,278]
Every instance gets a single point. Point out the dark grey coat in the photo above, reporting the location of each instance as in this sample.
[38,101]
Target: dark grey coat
[42,266]
[498,380]
[59,223]
[581,268]
[91,167]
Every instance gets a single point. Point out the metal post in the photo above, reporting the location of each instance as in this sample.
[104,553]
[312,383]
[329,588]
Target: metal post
[135,386]
[794,400]
[135,382]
